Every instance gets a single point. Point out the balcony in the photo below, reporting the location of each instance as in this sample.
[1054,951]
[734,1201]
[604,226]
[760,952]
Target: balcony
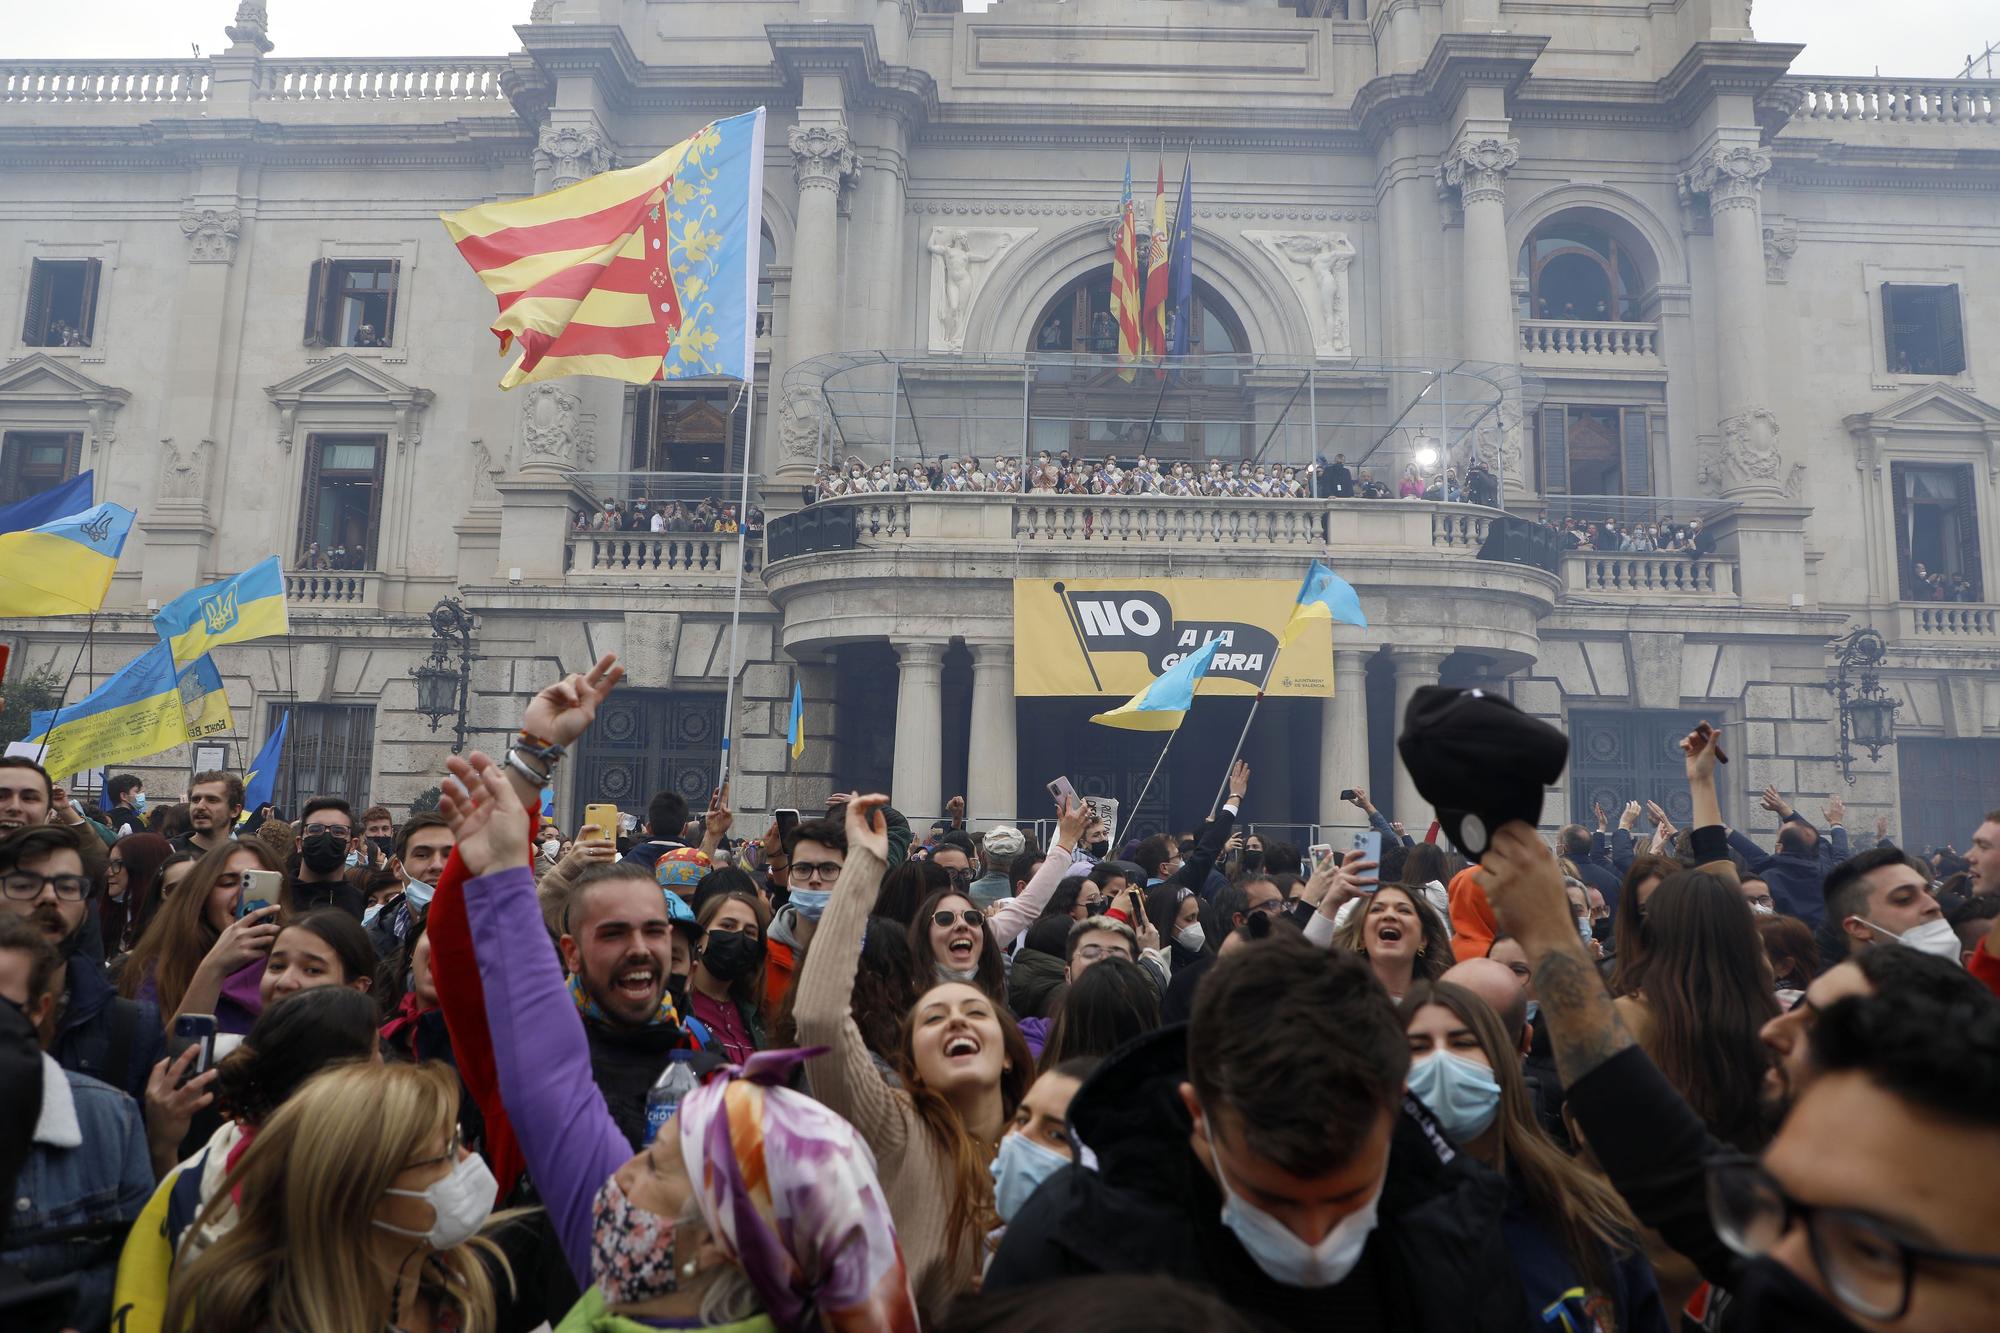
[1655,575]
[334,589]
[1949,624]
[1936,113]
[622,559]
[1562,344]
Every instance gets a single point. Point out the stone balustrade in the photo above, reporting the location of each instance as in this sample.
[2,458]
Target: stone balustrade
[658,556]
[1456,527]
[1596,339]
[1968,623]
[1169,520]
[1651,574]
[350,589]
[109,81]
[381,80]
[1926,101]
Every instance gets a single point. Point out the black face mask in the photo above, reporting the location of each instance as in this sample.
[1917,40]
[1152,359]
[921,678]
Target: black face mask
[677,990]
[1098,848]
[1253,859]
[731,955]
[1600,930]
[321,852]
[1770,1295]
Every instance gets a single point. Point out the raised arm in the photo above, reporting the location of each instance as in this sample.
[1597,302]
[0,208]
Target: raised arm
[844,1077]
[1194,871]
[1015,915]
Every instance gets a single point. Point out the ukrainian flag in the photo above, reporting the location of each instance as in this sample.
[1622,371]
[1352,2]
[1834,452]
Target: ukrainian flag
[144,708]
[261,782]
[58,551]
[1323,596]
[795,727]
[1162,705]
[249,606]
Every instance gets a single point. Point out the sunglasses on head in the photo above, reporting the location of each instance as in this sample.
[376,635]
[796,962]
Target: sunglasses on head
[970,916]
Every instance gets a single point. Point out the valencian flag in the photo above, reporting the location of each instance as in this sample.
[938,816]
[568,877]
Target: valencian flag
[1162,704]
[250,605]
[1180,268]
[1125,281]
[1153,312]
[146,707]
[1323,596]
[640,274]
[58,550]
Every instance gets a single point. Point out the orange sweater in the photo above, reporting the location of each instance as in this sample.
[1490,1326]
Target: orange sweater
[1472,924]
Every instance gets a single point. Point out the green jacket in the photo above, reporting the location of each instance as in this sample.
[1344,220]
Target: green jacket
[588,1315]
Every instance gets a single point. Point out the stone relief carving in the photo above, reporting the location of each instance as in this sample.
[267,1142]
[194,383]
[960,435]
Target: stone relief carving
[1781,242]
[1746,457]
[485,495]
[252,25]
[962,259]
[821,156]
[1477,169]
[554,430]
[571,152]
[211,234]
[1316,265]
[184,474]
[542,11]
[800,416]
[1500,440]
[1731,175]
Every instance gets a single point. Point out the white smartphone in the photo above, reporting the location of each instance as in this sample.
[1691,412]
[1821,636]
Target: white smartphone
[1061,790]
[1320,853]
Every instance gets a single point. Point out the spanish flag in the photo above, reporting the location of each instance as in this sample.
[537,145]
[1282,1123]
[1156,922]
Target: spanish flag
[146,707]
[58,551]
[1153,312]
[250,605]
[640,274]
[1125,281]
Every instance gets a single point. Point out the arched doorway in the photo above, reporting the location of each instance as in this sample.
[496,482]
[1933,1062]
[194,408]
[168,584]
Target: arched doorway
[1578,268]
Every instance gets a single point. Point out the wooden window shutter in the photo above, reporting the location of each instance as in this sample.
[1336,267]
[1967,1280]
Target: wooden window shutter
[309,509]
[35,329]
[1555,450]
[1889,344]
[1968,529]
[1638,452]
[389,316]
[319,294]
[381,445]
[93,270]
[1951,332]
[1899,498]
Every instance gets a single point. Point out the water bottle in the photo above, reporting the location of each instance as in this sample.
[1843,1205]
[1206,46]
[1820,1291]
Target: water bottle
[675,1082]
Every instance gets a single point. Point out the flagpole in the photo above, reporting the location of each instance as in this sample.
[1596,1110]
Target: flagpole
[1238,751]
[55,718]
[742,552]
[1148,785]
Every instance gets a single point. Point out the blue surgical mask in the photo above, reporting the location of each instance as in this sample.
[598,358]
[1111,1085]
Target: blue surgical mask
[368,917]
[1278,1251]
[139,802]
[418,894]
[1019,1169]
[1461,1093]
[811,902]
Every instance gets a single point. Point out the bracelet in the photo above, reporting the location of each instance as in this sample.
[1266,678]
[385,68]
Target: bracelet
[547,753]
[527,770]
[527,735]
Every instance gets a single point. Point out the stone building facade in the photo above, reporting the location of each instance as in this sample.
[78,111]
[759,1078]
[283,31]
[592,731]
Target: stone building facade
[1768,300]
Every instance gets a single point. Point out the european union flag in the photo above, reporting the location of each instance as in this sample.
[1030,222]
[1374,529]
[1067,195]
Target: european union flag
[1180,268]
[261,782]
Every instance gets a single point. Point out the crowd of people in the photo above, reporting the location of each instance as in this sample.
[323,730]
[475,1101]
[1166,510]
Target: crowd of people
[710,515]
[1065,474]
[1642,535]
[1930,585]
[328,1071]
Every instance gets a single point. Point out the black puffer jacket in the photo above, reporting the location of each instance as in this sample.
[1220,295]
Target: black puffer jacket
[626,1062]
[1437,1260]
[1033,980]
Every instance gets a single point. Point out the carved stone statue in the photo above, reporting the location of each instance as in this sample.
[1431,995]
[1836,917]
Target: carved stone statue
[211,234]
[484,471]
[1316,264]
[183,475]
[799,417]
[552,433]
[1781,242]
[1748,458]
[961,260]
[569,153]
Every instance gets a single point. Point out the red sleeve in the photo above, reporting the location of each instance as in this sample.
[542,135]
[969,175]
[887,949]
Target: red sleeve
[1984,966]
[463,1000]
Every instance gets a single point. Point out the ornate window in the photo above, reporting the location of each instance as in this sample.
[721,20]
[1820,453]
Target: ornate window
[1079,319]
[686,430]
[32,461]
[1921,326]
[62,302]
[767,255]
[352,302]
[1576,270]
[1937,532]
[1585,449]
[341,516]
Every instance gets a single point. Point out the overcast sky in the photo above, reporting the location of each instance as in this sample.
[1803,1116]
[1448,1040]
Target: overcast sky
[1927,37]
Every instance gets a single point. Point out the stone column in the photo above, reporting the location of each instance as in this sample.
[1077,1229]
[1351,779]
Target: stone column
[1748,460]
[1477,168]
[919,730]
[991,772]
[1414,667]
[822,160]
[1343,748]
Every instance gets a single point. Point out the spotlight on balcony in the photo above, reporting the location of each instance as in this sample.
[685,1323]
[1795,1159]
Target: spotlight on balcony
[1427,457]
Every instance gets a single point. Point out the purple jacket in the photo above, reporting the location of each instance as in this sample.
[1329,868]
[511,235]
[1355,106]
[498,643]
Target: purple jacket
[542,1057]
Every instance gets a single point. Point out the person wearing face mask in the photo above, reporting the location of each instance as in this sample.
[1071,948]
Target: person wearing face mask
[1269,1149]
[1574,1243]
[367,1153]
[327,836]
[1038,1144]
[421,847]
[727,984]
[1883,897]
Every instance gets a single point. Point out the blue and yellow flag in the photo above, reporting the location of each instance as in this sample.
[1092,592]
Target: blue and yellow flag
[1323,596]
[1162,704]
[236,610]
[58,551]
[795,726]
[146,707]
[261,781]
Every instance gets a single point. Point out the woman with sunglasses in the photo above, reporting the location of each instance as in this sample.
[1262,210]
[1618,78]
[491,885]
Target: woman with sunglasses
[950,938]
[1574,1243]
[198,956]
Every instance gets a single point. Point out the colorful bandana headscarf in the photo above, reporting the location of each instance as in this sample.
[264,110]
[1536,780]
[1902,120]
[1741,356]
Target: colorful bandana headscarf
[788,1189]
[590,1008]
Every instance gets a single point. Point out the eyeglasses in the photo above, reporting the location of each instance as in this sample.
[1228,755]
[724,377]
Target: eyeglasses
[1090,953]
[962,876]
[1097,906]
[811,870]
[110,866]
[971,916]
[26,885]
[1867,1267]
[340,831]
[1268,905]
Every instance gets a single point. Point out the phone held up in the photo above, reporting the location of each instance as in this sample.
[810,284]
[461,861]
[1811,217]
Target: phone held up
[604,818]
[1369,844]
[1320,855]
[786,820]
[260,890]
[193,1030]
[1061,790]
[1347,793]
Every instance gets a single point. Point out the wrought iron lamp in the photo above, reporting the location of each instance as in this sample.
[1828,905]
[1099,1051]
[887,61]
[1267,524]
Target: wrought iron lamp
[1867,711]
[443,688]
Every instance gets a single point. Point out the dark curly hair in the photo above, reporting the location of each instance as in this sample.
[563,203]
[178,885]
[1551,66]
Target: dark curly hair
[291,1041]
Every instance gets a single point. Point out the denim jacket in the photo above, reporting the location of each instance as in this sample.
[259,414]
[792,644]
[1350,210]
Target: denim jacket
[88,1170]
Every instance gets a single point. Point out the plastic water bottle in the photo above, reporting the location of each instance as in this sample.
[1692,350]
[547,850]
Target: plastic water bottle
[675,1082]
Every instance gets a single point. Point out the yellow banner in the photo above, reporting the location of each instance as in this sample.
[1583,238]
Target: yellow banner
[1111,637]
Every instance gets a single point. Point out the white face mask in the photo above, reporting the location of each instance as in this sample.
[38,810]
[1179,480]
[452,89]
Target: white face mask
[1283,1257]
[1191,937]
[461,1203]
[1936,937]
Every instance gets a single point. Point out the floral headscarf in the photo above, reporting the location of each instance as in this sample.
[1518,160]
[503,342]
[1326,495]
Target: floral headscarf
[788,1189]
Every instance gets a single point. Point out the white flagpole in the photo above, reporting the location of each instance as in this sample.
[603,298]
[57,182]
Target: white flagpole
[742,560]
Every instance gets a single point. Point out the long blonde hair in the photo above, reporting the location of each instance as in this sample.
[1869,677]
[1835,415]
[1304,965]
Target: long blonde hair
[298,1258]
[179,936]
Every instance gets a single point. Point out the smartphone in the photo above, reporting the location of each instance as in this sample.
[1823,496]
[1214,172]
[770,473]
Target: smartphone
[193,1030]
[260,890]
[1321,853]
[1369,844]
[787,820]
[604,817]
[1347,793]
[1061,791]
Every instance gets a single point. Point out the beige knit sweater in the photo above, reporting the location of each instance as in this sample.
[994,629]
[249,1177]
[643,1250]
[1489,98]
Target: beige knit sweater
[914,1170]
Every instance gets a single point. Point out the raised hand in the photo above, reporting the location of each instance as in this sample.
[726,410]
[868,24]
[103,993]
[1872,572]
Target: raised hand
[1628,818]
[244,940]
[565,710]
[1835,812]
[1072,819]
[1360,799]
[1657,815]
[866,829]
[1775,803]
[1522,881]
[485,813]
[1341,879]
[720,817]
[1239,780]
[1603,820]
